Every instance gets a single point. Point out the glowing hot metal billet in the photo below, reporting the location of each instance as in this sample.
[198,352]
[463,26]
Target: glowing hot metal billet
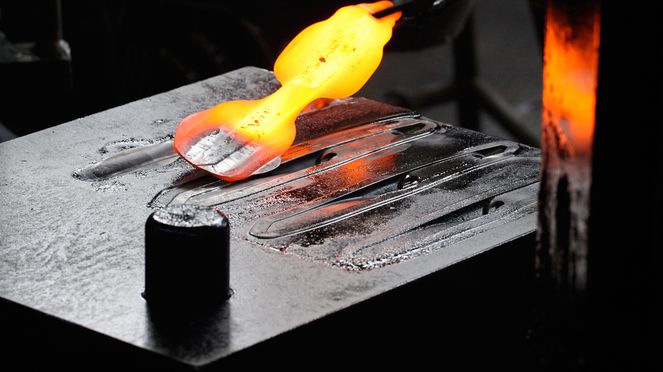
[330,59]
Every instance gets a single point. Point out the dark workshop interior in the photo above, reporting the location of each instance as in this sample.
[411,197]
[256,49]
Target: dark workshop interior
[552,239]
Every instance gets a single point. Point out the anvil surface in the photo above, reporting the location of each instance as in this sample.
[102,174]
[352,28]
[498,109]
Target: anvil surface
[73,250]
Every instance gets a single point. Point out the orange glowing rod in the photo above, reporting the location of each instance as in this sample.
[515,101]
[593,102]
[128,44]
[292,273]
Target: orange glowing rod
[329,59]
[570,77]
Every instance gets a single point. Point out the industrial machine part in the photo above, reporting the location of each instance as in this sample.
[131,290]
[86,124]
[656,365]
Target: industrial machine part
[379,225]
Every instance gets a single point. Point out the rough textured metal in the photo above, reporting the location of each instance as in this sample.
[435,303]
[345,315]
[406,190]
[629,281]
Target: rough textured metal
[73,249]
[375,194]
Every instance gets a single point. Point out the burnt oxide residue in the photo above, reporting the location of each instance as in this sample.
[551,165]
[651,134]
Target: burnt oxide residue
[376,194]
[116,147]
[189,216]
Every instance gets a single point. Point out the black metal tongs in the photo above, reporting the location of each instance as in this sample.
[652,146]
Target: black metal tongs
[412,9]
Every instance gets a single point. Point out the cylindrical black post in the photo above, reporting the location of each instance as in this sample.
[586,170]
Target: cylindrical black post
[187,256]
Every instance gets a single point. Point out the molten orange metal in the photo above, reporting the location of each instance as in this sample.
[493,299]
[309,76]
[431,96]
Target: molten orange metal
[330,59]
[570,75]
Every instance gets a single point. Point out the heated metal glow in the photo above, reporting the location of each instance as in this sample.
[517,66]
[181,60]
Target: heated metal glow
[570,76]
[330,59]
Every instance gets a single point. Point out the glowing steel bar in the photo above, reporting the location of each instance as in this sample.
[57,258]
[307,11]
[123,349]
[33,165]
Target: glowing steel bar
[570,76]
[330,59]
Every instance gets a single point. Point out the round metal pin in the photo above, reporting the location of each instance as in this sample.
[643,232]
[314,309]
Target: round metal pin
[187,255]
